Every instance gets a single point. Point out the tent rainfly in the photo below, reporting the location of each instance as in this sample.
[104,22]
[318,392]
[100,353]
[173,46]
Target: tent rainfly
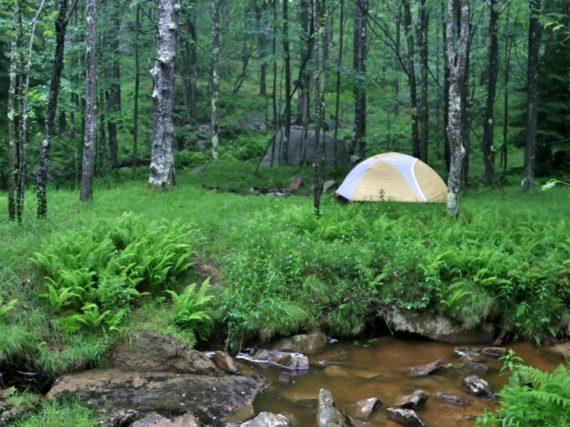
[393,177]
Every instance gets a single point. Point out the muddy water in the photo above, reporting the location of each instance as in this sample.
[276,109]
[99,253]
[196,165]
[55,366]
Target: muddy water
[381,369]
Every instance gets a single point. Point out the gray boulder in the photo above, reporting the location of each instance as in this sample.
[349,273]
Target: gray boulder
[478,386]
[406,417]
[157,420]
[364,408]
[413,401]
[328,415]
[267,419]
[225,362]
[425,370]
[310,343]
[452,399]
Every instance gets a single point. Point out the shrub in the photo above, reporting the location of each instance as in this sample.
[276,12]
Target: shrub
[191,309]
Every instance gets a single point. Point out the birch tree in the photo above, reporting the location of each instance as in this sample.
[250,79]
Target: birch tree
[411,74]
[457,39]
[162,174]
[216,14]
[287,66]
[318,7]
[42,173]
[359,63]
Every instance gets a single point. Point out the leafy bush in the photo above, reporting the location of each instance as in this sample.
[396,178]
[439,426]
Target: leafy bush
[533,398]
[191,308]
[61,415]
[93,278]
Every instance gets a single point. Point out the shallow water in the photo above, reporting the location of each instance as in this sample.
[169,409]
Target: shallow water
[381,369]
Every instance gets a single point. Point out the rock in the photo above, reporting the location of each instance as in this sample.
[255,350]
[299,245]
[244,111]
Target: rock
[10,415]
[197,170]
[149,351]
[296,183]
[210,398]
[413,401]
[354,159]
[424,370]
[473,365]
[473,352]
[335,371]
[205,132]
[562,349]
[437,327]
[478,386]
[282,359]
[328,415]
[267,419]
[285,378]
[452,399]
[364,408]
[328,184]
[365,373]
[224,362]
[310,343]
[406,417]
[157,420]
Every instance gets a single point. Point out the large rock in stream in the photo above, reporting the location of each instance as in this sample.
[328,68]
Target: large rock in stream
[437,327]
[328,415]
[112,392]
[310,343]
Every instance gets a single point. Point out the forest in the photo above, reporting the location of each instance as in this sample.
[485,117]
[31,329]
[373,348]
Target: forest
[264,213]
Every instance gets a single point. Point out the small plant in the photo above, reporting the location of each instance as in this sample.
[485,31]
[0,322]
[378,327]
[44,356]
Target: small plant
[6,307]
[191,308]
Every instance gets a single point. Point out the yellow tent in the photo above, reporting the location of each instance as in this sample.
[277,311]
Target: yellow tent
[395,177]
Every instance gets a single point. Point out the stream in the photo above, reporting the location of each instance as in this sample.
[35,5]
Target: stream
[380,368]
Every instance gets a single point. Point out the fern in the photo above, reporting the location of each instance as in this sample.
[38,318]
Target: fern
[7,307]
[191,308]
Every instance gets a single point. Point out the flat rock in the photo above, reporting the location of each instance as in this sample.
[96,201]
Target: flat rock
[437,327]
[425,370]
[328,415]
[364,408]
[478,386]
[157,420]
[406,417]
[210,398]
[282,359]
[328,184]
[225,362]
[562,349]
[474,352]
[474,365]
[415,400]
[335,371]
[267,419]
[149,351]
[452,399]
[310,343]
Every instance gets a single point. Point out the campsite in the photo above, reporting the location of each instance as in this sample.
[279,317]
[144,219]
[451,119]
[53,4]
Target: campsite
[271,213]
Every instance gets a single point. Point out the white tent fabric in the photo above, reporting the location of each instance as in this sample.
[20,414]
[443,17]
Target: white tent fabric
[393,176]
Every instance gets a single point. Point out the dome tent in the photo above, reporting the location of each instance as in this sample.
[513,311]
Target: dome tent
[395,177]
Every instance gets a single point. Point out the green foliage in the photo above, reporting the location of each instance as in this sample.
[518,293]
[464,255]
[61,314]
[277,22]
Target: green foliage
[56,414]
[6,307]
[191,308]
[533,398]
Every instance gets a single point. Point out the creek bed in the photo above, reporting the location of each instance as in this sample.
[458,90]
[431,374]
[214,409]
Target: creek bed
[381,368]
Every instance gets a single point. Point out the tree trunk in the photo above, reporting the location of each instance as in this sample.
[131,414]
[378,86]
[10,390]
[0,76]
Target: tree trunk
[488,122]
[446,153]
[318,9]
[466,115]
[12,113]
[42,174]
[305,77]
[397,65]
[89,144]
[457,39]
[113,95]
[416,149]
[216,12]
[360,53]
[162,173]
[137,84]
[23,143]
[424,109]
[262,46]
[507,68]
[338,67]
[287,65]
[534,33]
[274,89]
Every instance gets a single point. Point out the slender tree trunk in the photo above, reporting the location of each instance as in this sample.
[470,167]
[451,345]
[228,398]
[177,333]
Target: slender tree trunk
[488,122]
[12,113]
[457,40]
[416,148]
[216,14]
[42,174]
[338,67]
[424,106]
[192,66]
[446,152]
[23,143]
[466,115]
[262,46]
[162,173]
[319,48]
[89,144]
[305,77]
[534,34]
[507,68]
[113,95]
[287,64]
[360,53]
[397,65]
[274,89]
[137,85]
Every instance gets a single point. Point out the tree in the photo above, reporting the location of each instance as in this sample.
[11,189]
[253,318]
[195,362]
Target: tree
[216,12]
[318,47]
[42,174]
[457,39]
[492,72]
[338,67]
[534,33]
[359,65]
[305,77]
[287,65]
[423,39]
[90,137]
[137,85]
[162,174]
[411,74]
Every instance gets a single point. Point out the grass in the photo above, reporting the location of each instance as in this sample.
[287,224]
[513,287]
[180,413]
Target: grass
[284,270]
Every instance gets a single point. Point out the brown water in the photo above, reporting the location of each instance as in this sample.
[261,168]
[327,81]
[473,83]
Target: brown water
[381,369]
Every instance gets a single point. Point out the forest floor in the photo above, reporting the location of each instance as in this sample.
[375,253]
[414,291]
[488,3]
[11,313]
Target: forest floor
[275,267]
